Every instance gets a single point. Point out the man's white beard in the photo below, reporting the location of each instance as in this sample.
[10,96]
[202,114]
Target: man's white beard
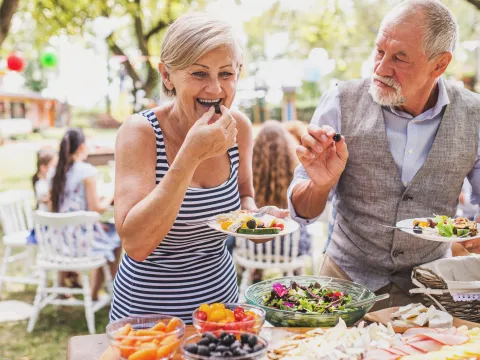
[386,97]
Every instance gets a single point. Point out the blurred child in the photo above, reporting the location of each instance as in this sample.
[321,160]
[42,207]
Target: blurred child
[45,161]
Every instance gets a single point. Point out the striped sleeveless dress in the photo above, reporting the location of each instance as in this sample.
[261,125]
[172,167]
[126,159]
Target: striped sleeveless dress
[191,265]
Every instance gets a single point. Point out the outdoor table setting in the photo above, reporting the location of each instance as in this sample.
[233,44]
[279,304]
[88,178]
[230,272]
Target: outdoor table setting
[347,328]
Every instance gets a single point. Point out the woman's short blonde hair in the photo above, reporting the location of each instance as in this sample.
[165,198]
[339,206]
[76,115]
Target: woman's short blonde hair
[193,35]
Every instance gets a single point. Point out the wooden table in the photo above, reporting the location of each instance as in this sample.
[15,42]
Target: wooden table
[91,347]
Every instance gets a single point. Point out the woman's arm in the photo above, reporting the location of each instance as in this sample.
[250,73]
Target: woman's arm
[245,150]
[144,212]
[93,201]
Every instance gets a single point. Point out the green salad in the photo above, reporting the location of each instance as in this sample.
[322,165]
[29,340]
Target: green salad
[307,299]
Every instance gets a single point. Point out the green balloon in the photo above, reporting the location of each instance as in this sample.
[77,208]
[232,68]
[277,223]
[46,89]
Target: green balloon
[49,59]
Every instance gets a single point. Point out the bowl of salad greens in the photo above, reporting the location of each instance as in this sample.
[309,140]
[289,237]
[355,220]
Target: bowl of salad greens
[309,301]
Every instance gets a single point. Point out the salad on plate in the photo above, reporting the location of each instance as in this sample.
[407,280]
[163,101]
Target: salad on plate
[243,222]
[313,298]
[446,226]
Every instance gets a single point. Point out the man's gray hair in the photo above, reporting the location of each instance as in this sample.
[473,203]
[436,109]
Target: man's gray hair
[440,30]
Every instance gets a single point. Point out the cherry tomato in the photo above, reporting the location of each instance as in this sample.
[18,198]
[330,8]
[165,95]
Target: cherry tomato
[205,308]
[239,313]
[248,318]
[217,306]
[231,326]
[201,315]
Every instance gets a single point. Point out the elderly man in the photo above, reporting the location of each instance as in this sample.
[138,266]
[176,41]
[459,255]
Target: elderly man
[412,139]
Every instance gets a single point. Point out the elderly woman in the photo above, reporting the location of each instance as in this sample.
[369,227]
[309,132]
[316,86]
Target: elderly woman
[182,162]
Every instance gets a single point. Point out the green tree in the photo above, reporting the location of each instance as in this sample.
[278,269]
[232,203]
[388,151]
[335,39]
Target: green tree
[146,22]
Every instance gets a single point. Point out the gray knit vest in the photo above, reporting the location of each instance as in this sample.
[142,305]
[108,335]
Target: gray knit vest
[370,190]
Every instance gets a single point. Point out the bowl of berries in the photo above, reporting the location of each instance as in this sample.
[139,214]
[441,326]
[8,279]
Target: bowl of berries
[235,345]
[228,317]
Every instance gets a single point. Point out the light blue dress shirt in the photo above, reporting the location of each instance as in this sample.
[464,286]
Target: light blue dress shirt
[410,139]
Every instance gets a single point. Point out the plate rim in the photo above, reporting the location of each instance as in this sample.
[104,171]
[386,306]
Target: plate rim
[437,238]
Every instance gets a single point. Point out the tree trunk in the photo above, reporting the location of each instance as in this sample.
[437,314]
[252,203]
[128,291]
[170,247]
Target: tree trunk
[475,3]
[7,9]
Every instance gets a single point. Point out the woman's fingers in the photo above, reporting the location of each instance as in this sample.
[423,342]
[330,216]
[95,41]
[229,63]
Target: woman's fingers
[279,213]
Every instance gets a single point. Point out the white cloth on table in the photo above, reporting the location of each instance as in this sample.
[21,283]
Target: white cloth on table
[461,274]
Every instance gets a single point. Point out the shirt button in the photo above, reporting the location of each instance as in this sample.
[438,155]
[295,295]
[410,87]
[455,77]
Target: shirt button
[405,183]
[410,151]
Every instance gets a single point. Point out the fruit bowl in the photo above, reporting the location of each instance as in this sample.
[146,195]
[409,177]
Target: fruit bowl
[235,345]
[152,337]
[254,295]
[228,317]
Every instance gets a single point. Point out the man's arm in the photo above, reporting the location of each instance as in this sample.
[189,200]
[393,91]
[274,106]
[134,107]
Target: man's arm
[306,200]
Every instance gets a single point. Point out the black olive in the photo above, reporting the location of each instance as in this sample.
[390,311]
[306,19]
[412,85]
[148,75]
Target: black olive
[211,337]
[212,347]
[417,229]
[240,352]
[337,137]
[192,348]
[228,340]
[222,335]
[216,354]
[217,109]
[251,224]
[222,348]
[227,353]
[252,341]
[204,341]
[258,347]
[203,350]
[244,338]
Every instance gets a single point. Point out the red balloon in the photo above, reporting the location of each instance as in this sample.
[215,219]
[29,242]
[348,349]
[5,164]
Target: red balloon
[15,62]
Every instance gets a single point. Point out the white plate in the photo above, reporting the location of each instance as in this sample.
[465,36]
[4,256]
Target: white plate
[433,236]
[290,227]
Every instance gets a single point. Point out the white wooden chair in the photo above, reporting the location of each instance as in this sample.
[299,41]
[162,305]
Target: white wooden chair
[65,244]
[251,255]
[16,221]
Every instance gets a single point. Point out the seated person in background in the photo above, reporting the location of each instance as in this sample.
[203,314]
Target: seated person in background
[45,161]
[73,188]
[296,128]
[274,161]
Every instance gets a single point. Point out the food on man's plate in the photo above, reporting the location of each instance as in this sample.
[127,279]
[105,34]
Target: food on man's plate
[414,315]
[446,226]
[313,298]
[243,222]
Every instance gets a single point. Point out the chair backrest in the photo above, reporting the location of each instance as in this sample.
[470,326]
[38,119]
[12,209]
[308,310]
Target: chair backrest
[281,250]
[65,236]
[16,211]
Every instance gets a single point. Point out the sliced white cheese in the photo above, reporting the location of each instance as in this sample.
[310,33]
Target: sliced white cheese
[421,319]
[440,320]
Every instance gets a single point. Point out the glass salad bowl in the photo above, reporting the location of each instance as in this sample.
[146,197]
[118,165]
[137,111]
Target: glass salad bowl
[289,318]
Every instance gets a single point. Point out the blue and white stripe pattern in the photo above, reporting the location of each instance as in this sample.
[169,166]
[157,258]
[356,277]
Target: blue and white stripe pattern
[191,265]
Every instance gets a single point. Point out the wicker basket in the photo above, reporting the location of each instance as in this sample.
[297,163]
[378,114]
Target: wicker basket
[435,292]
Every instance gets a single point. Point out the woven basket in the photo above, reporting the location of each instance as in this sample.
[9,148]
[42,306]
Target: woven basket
[436,293]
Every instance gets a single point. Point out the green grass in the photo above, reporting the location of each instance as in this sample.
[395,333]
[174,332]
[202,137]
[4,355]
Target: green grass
[55,326]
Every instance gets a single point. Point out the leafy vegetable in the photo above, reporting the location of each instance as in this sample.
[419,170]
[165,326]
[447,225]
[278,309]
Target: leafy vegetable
[445,226]
[307,299]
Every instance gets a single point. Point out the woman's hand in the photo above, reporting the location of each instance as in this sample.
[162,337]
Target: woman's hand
[206,140]
[323,159]
[277,212]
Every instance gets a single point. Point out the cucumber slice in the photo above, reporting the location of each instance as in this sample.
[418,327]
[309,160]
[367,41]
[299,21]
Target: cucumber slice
[259,231]
[462,232]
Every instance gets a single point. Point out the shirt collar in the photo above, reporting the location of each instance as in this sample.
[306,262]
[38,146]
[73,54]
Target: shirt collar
[442,101]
